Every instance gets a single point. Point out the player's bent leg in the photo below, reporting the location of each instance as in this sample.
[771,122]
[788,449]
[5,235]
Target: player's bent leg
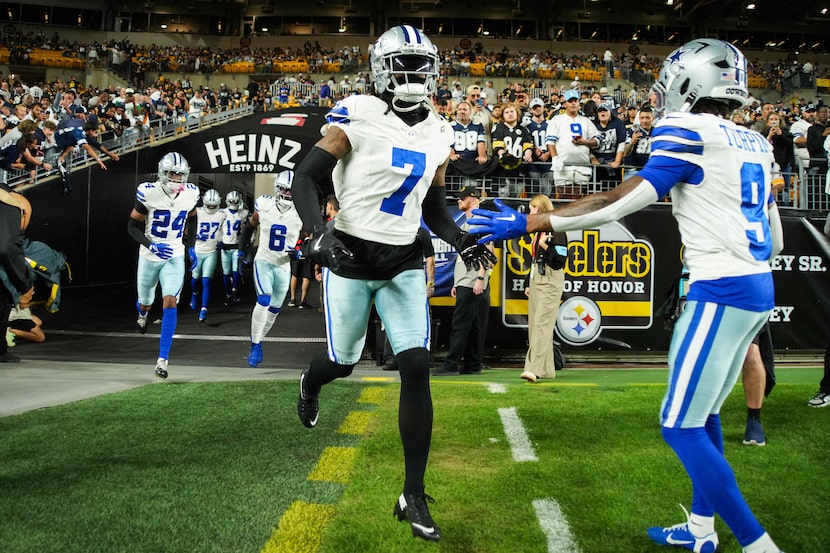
[320,372]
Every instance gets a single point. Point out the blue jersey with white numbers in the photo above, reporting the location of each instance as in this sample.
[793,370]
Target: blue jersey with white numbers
[718,175]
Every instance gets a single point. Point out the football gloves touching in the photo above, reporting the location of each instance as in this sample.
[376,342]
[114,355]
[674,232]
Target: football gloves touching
[474,255]
[324,249]
[161,250]
[504,224]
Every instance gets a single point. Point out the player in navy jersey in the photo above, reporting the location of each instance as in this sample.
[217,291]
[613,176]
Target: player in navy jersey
[719,178]
[386,155]
[158,221]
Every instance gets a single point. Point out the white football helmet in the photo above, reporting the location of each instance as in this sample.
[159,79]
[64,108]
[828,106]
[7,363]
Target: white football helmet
[173,172]
[233,199]
[211,200]
[701,68]
[404,63]
[282,186]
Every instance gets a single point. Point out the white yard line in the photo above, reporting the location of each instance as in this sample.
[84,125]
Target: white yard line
[494,388]
[516,436]
[553,523]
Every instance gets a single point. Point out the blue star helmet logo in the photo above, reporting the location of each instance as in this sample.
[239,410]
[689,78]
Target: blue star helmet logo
[676,55]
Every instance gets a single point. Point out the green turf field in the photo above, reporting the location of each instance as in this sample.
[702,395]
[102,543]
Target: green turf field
[227,467]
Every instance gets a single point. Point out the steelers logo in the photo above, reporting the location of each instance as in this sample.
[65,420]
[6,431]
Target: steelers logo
[579,321]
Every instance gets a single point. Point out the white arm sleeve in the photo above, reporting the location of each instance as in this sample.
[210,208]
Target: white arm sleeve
[776,230]
[638,198]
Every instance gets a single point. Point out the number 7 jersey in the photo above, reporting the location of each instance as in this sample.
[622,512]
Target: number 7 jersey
[166,216]
[382,182]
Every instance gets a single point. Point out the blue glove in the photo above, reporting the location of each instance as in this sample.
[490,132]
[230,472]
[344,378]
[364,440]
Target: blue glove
[161,250]
[194,261]
[504,224]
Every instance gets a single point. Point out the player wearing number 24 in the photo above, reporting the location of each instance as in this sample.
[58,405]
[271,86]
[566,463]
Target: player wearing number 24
[386,154]
[719,179]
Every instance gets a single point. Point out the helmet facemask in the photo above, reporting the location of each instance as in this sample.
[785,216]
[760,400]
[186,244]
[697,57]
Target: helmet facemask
[211,201]
[282,187]
[405,64]
[173,173]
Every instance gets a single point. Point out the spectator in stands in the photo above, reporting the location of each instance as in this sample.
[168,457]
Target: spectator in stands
[468,155]
[512,146]
[638,140]
[569,140]
[799,131]
[611,148]
[539,169]
[71,133]
[481,114]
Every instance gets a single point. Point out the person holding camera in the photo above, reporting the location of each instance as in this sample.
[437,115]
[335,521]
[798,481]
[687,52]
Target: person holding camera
[638,141]
[543,288]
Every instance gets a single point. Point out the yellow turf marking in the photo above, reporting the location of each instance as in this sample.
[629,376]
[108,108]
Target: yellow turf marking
[373,394]
[377,379]
[300,529]
[357,422]
[335,465]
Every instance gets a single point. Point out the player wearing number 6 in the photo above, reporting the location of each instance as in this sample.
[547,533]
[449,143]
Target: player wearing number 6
[279,229]
[386,154]
[718,176]
[163,210]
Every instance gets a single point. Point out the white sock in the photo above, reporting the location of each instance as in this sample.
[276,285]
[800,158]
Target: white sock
[269,322]
[764,544]
[701,526]
[258,322]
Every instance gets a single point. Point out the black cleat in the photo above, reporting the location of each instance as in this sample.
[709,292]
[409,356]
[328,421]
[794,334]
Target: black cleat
[308,408]
[413,509]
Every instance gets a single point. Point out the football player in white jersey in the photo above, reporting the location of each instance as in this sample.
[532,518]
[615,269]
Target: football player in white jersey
[162,212]
[719,177]
[279,229]
[235,215]
[386,154]
[203,254]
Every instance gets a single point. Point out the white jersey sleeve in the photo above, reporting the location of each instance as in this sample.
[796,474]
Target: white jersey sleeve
[279,230]
[382,182]
[166,216]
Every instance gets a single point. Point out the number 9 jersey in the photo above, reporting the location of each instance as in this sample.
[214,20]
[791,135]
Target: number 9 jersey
[165,215]
[381,194]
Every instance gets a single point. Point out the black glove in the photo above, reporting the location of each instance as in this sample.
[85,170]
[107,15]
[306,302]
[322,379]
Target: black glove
[474,255]
[323,248]
[509,162]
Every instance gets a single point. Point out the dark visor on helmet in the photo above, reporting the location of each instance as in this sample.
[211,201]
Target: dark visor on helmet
[411,63]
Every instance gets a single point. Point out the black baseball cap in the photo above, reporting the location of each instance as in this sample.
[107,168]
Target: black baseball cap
[468,191]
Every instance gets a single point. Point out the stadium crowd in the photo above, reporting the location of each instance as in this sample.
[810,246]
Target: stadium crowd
[126,116]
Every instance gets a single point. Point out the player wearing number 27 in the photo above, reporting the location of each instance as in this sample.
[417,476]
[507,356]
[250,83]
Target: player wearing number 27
[158,222]
[719,179]
[387,154]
